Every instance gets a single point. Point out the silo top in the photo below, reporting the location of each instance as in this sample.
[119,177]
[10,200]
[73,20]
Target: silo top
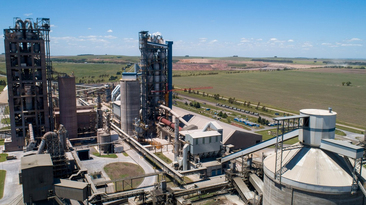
[317,112]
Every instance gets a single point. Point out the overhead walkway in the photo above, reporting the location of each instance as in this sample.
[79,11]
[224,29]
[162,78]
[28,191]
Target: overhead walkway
[262,145]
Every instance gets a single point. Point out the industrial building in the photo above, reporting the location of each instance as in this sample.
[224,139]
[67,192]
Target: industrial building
[316,170]
[28,74]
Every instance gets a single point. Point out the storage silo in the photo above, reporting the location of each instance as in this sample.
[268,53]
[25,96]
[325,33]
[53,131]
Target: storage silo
[130,101]
[310,175]
[104,141]
[67,100]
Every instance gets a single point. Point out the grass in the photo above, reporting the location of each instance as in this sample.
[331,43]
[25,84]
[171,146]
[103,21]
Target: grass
[350,129]
[1,141]
[3,157]
[105,155]
[163,157]
[5,121]
[293,90]
[125,154]
[338,132]
[2,182]
[121,170]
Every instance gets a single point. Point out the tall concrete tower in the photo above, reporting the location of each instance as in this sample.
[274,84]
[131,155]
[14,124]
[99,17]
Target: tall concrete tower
[27,61]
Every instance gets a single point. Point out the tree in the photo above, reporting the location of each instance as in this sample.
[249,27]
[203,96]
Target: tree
[348,83]
[217,96]
[259,119]
[224,115]
[343,83]
[220,114]
[197,105]
[186,103]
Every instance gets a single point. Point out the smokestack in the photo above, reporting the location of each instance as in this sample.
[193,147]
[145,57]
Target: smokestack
[176,141]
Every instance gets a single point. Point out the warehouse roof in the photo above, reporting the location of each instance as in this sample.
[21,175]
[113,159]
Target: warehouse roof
[35,161]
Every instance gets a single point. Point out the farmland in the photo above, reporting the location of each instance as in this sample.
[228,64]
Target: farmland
[292,90]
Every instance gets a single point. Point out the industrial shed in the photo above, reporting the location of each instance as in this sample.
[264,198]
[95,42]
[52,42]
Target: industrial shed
[236,136]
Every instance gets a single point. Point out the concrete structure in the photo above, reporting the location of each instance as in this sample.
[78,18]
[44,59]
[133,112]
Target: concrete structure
[309,174]
[72,189]
[130,101]
[36,177]
[67,96]
[86,120]
[116,109]
[27,58]
[104,140]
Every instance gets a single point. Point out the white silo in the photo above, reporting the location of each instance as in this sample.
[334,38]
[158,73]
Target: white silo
[310,174]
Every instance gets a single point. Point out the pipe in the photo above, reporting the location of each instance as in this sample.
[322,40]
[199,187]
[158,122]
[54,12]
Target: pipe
[44,139]
[175,114]
[176,141]
[29,24]
[167,122]
[17,24]
[170,72]
[185,156]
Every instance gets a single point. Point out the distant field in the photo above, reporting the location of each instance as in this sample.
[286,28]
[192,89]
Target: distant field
[292,90]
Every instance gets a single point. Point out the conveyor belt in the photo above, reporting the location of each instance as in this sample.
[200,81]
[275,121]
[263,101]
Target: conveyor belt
[260,146]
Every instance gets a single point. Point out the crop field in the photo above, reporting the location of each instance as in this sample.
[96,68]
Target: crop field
[292,90]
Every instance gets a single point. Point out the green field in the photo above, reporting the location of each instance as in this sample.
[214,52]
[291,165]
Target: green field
[291,90]
[2,182]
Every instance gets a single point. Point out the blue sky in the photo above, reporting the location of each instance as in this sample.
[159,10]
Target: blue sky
[315,29]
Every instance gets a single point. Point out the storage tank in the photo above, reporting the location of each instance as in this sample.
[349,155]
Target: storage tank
[321,125]
[130,101]
[104,140]
[67,100]
[310,175]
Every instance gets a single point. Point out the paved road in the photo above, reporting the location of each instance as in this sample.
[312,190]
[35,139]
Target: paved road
[12,187]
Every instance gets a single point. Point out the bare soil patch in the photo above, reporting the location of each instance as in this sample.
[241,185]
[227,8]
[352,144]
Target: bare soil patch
[208,64]
[119,170]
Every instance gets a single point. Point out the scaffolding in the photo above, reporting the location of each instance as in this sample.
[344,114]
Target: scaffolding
[29,74]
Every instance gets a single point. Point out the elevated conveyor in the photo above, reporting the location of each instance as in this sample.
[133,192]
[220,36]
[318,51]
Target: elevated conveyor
[262,145]
[243,189]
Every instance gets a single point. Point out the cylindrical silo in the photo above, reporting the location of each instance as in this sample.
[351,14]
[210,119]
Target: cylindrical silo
[104,141]
[130,102]
[321,125]
[67,100]
[310,175]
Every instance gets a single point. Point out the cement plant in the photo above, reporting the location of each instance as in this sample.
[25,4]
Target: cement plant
[64,134]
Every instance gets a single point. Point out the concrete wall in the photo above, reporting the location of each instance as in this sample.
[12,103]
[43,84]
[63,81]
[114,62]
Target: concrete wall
[36,183]
[67,99]
[276,194]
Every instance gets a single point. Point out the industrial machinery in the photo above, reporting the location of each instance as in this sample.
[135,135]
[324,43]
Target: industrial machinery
[156,75]
[29,74]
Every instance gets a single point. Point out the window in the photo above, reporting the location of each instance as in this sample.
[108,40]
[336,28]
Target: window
[210,139]
[217,138]
[203,140]
[196,141]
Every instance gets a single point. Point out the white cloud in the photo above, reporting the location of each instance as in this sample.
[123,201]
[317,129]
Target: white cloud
[244,40]
[213,41]
[354,39]
[290,40]
[307,45]
[53,26]
[273,39]
[28,14]
[156,33]
[202,40]
[89,28]
[110,37]
[350,44]
[110,31]
[259,39]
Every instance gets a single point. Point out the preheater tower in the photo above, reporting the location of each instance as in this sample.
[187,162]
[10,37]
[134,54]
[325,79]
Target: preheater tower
[27,61]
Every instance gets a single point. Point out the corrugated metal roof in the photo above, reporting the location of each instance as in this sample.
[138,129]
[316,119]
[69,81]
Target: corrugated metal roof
[200,121]
[312,169]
